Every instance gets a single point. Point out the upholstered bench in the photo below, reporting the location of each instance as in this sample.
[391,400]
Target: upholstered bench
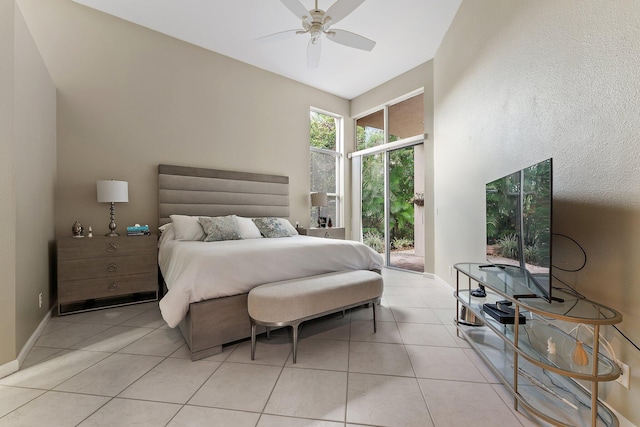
[291,302]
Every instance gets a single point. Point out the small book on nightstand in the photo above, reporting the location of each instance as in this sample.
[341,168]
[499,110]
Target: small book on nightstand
[138,230]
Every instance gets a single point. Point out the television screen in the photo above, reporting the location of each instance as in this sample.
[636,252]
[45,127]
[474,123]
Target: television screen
[518,218]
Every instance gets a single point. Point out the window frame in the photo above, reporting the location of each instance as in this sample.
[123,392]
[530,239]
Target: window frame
[339,158]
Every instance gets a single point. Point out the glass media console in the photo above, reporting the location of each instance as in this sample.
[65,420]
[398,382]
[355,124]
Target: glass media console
[539,357]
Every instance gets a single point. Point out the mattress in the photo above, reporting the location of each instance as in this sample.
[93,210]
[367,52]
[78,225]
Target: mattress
[196,271]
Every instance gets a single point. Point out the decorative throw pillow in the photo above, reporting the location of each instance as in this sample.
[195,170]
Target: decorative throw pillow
[187,227]
[220,228]
[271,227]
[285,222]
[248,229]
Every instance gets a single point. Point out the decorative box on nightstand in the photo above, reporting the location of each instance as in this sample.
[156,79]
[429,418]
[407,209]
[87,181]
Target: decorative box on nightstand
[328,233]
[102,271]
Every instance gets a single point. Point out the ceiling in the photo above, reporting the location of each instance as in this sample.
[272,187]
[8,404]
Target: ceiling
[407,33]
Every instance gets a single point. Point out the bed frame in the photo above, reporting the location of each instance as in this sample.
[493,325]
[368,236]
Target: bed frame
[209,192]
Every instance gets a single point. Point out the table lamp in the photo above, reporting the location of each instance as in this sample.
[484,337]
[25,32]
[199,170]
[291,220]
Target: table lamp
[111,191]
[319,200]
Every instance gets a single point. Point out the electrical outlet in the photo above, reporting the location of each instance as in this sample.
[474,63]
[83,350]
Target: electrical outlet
[40,300]
[625,374]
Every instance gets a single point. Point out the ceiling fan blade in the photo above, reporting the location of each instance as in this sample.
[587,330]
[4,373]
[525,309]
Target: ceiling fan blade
[297,8]
[282,35]
[350,39]
[313,53]
[340,9]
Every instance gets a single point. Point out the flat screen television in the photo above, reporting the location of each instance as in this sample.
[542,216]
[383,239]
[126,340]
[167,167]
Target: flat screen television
[518,218]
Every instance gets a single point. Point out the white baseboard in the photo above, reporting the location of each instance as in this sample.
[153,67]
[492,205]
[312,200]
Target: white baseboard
[439,280]
[14,365]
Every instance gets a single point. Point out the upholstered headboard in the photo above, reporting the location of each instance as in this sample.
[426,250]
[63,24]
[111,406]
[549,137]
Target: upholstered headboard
[211,192]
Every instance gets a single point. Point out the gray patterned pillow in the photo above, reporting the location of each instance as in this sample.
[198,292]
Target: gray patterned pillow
[271,227]
[220,228]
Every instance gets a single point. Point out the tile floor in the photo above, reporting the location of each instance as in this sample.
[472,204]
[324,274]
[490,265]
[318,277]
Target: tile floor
[124,366]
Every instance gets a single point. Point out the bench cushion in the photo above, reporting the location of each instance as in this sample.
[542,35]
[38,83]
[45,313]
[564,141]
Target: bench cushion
[296,299]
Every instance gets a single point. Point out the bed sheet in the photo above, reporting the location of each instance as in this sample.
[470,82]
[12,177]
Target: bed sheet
[196,271]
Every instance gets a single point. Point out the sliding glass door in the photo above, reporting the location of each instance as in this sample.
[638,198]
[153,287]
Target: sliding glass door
[390,157]
[401,218]
[373,202]
[392,209]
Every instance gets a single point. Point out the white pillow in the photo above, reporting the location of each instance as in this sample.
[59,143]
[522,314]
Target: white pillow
[187,227]
[285,222]
[248,229]
[166,233]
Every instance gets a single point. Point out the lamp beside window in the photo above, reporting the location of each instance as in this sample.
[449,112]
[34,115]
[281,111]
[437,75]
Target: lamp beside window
[320,200]
[111,191]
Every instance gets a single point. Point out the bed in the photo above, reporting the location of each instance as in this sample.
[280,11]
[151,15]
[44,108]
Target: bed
[207,282]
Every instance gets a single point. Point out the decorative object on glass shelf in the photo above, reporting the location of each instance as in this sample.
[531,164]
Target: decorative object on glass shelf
[329,223]
[551,346]
[90,232]
[579,355]
[320,200]
[111,191]
[468,317]
[77,229]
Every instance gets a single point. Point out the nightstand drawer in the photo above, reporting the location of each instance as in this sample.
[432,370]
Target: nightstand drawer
[78,290]
[327,233]
[77,269]
[101,246]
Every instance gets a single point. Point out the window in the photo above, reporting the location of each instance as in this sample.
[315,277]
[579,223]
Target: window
[325,161]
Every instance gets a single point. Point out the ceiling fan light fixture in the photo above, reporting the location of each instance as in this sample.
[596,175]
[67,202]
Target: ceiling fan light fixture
[317,22]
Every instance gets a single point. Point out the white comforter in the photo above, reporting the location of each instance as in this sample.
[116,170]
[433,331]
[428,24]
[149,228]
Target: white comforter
[196,271]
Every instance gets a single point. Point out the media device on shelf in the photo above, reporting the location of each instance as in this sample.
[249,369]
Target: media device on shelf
[519,226]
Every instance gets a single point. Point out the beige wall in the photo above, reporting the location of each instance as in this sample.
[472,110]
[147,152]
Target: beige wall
[130,98]
[7,189]
[35,182]
[416,78]
[518,82]
[27,183]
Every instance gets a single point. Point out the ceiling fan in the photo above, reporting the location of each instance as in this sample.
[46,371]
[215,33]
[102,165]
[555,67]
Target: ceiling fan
[317,22]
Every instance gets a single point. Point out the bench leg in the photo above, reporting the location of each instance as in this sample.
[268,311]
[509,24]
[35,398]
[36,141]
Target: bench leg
[373,305]
[253,340]
[295,341]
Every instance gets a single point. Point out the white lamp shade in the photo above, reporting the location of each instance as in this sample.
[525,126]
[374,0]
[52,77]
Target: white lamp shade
[319,199]
[113,191]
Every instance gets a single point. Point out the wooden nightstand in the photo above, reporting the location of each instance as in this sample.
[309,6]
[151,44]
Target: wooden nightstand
[328,233]
[100,271]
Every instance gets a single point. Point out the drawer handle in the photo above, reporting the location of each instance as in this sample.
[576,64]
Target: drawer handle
[112,267]
[112,247]
[327,234]
[112,287]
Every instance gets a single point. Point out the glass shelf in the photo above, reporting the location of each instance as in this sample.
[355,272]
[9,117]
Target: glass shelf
[511,281]
[564,401]
[532,342]
[543,382]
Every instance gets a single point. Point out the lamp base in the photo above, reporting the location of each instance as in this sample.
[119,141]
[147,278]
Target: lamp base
[112,224]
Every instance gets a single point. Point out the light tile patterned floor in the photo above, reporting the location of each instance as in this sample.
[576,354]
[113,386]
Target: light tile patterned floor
[124,366]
